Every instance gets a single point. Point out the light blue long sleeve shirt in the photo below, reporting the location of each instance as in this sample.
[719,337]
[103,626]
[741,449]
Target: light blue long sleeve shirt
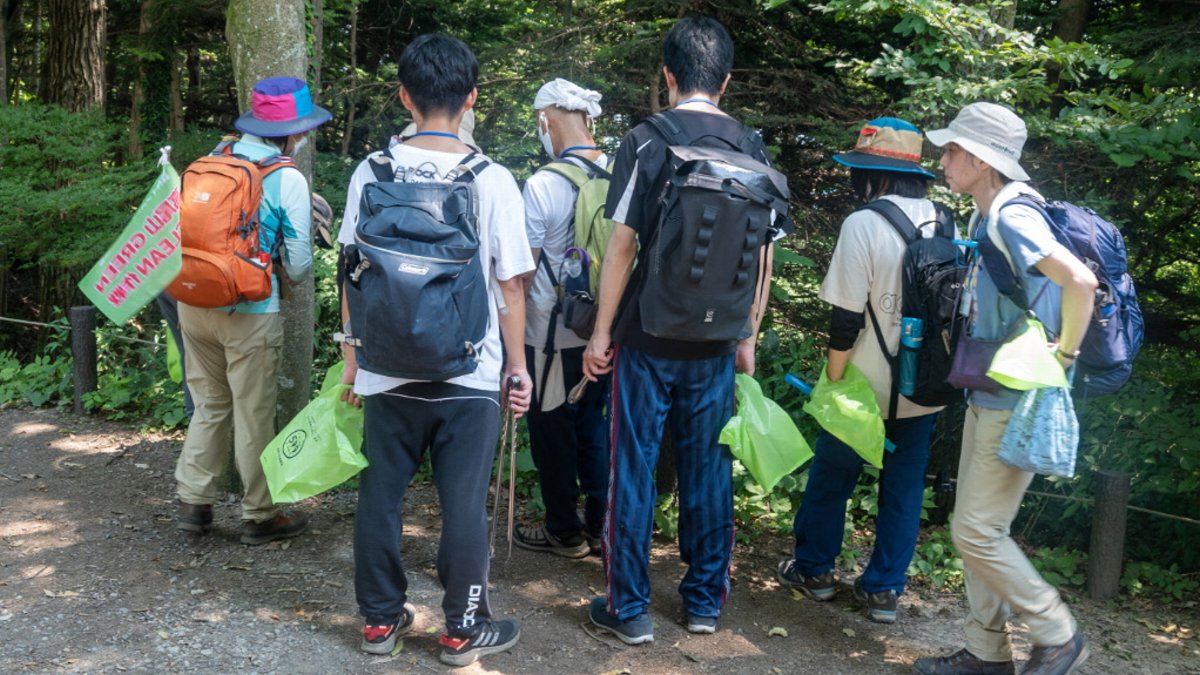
[284,212]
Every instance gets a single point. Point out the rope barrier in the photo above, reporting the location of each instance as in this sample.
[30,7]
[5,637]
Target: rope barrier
[122,338]
[1089,501]
[35,323]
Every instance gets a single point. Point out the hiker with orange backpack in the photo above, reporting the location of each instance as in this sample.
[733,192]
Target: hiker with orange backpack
[238,206]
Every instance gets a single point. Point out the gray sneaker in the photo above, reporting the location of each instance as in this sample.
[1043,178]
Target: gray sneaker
[635,631]
[961,662]
[1058,660]
[881,606]
[539,539]
[703,625]
[820,588]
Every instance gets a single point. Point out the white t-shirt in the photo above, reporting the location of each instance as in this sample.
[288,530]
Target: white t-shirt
[503,247]
[868,263]
[549,212]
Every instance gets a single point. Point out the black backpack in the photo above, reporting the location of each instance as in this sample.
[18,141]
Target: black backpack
[933,275]
[700,269]
[414,280]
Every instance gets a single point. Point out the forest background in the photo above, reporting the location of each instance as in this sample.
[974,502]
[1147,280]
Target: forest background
[1109,89]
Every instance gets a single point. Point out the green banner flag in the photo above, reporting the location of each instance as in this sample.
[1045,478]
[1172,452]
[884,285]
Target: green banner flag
[145,258]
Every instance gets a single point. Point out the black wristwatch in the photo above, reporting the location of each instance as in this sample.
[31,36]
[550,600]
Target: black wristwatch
[1067,355]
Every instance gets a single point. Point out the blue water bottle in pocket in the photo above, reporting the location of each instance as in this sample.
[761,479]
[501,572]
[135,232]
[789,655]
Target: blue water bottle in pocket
[911,338]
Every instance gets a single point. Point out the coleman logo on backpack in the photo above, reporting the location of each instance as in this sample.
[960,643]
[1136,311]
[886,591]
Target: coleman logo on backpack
[218,223]
[701,268]
[414,280]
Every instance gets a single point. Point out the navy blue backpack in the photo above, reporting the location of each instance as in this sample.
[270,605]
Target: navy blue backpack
[1116,331]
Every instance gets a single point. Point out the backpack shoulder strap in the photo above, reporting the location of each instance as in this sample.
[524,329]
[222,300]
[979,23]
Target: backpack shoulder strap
[471,166]
[225,146]
[749,141]
[666,123]
[381,166]
[271,164]
[567,170]
[594,170]
[895,216]
[945,220]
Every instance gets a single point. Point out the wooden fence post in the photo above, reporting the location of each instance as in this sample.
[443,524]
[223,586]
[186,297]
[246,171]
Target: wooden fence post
[83,352]
[1107,547]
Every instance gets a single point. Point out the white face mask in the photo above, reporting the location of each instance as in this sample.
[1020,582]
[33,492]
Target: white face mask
[544,137]
[299,144]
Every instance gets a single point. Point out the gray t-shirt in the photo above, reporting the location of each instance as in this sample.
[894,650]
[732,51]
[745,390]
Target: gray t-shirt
[1029,241]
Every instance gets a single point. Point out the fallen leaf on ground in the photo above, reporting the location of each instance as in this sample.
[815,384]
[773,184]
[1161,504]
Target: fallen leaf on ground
[30,476]
[849,632]
[164,634]
[797,595]
[398,648]
[777,631]
[60,594]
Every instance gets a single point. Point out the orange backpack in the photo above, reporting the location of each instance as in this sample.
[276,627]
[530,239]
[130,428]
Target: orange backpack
[222,262]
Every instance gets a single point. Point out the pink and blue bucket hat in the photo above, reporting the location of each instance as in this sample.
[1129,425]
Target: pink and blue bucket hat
[281,106]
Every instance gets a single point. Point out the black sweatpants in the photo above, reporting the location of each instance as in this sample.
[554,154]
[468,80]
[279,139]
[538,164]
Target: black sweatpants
[460,427]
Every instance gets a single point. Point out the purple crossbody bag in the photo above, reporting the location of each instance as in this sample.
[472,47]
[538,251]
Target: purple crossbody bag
[973,357]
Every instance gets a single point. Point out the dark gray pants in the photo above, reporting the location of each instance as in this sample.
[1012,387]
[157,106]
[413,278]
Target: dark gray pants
[459,426]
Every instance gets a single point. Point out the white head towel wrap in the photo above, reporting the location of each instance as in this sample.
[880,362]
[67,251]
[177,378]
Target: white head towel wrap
[568,96]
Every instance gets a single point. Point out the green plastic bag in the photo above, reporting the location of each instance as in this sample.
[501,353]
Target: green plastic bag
[319,448]
[174,367]
[1027,362]
[847,409]
[762,435]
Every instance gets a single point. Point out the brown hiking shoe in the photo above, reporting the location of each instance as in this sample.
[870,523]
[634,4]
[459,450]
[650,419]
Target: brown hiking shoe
[282,526]
[193,517]
[1058,660]
[962,662]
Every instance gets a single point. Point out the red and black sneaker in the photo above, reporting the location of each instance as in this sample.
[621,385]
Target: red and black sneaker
[488,638]
[381,639]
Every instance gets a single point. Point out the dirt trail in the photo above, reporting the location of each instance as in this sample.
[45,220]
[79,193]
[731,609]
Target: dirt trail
[94,577]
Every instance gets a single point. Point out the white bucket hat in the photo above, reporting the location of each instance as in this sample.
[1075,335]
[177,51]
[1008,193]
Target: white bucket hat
[992,133]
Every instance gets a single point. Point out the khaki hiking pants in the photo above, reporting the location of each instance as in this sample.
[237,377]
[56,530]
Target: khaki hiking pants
[232,361]
[1000,581]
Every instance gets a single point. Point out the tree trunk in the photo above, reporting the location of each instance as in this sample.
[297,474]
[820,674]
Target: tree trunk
[352,96]
[318,48]
[139,94]
[1072,19]
[176,121]
[73,75]
[267,39]
[3,52]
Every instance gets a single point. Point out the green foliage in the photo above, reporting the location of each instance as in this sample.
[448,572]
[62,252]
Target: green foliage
[1149,579]
[936,561]
[1060,567]
[132,380]
[67,196]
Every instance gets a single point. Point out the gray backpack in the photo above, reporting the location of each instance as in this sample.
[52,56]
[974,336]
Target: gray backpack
[700,269]
[414,281]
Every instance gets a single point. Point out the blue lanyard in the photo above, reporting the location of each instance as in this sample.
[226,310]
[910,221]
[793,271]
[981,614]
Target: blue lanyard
[573,148]
[698,100]
[435,133]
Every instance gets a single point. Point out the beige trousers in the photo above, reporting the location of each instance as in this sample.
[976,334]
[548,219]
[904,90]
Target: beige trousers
[1000,580]
[232,361]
